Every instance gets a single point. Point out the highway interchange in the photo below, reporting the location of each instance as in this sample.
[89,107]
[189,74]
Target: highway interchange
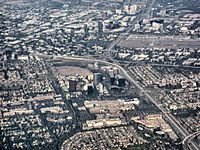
[178,128]
[186,142]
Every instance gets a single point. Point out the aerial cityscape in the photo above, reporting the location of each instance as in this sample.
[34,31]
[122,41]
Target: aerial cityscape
[99,74]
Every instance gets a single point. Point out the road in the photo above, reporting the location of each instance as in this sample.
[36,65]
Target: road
[186,142]
[152,41]
[169,118]
[158,64]
[140,16]
[59,91]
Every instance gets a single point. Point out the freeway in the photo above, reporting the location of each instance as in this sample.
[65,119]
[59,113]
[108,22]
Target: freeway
[140,16]
[187,140]
[168,116]
[141,63]
[175,66]
[149,41]
[170,119]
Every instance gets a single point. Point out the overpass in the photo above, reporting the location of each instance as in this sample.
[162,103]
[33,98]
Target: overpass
[169,118]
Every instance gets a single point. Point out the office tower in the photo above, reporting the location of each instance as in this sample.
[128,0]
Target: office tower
[90,90]
[72,85]
[100,27]
[98,78]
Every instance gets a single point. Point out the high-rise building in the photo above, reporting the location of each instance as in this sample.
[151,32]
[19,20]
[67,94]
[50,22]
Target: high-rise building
[112,81]
[126,8]
[71,36]
[5,74]
[1,58]
[121,82]
[1,55]
[100,27]
[90,90]
[101,88]
[97,78]
[133,9]
[86,30]
[8,53]
[15,56]
[72,85]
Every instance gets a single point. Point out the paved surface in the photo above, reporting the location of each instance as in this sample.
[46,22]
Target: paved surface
[141,16]
[170,119]
[187,140]
[149,41]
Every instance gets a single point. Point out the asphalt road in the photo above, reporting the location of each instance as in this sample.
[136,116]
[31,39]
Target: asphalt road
[170,118]
[140,16]
[187,140]
[150,41]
